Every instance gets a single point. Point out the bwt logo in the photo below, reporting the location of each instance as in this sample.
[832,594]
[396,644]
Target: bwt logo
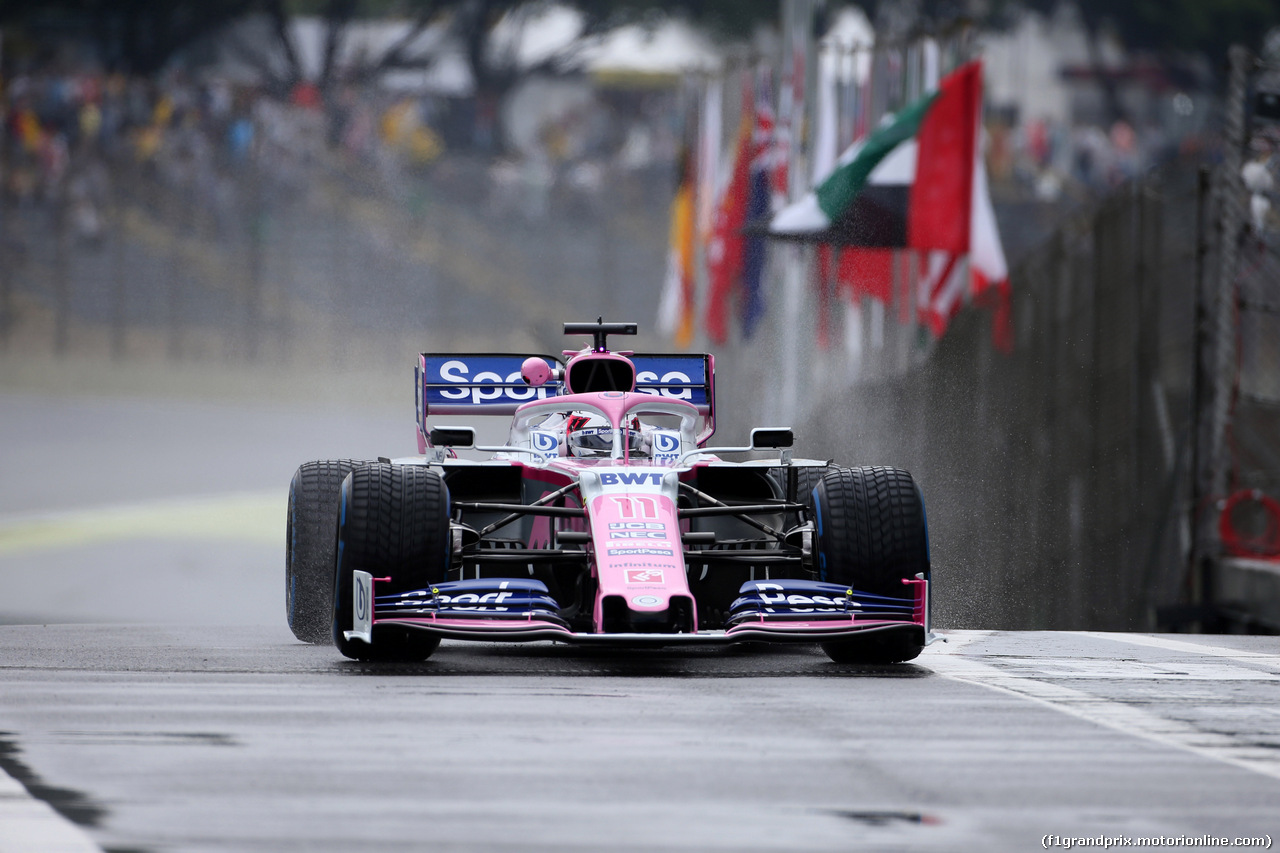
[630,479]
[458,373]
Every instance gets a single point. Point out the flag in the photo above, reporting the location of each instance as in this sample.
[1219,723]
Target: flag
[753,255]
[827,126]
[708,158]
[942,285]
[990,269]
[945,286]
[767,157]
[676,307]
[866,272]
[822,275]
[908,184]
[826,134]
[918,182]
[727,248]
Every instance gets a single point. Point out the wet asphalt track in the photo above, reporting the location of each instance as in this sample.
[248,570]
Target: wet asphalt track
[210,739]
[194,722]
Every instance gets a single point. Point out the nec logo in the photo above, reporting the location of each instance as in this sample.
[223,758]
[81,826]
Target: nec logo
[630,479]
[637,534]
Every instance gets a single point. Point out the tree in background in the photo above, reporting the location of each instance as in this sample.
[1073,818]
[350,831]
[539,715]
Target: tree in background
[133,36]
[1166,27]
[142,36]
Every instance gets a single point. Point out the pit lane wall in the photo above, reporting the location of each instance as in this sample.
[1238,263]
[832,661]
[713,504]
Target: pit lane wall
[1247,591]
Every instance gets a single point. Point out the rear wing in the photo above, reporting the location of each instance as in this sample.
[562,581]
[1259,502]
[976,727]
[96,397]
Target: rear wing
[677,376]
[480,383]
[490,384]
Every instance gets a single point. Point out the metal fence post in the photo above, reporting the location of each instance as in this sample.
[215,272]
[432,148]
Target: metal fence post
[1222,331]
[1200,364]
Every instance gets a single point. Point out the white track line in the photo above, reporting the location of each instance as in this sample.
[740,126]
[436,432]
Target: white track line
[1118,716]
[1240,655]
[256,516]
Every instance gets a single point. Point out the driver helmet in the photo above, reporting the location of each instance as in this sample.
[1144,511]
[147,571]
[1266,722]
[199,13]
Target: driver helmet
[590,436]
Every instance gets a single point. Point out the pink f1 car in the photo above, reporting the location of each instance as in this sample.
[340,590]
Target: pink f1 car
[603,519]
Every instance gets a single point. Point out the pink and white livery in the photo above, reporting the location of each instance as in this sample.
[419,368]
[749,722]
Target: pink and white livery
[603,519]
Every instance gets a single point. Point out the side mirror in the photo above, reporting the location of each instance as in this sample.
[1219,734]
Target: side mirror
[762,438]
[772,438]
[453,437]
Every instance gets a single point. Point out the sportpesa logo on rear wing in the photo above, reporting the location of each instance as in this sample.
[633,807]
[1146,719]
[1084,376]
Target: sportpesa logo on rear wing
[490,383]
[460,383]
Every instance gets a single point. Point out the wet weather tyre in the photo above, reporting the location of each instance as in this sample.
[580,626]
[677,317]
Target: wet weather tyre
[807,478]
[311,547]
[393,523]
[872,535]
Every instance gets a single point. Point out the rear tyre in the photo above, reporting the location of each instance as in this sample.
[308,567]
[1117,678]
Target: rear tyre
[393,523]
[311,546]
[806,478]
[871,535]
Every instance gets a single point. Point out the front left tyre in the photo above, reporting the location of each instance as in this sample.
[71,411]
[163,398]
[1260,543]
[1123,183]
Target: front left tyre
[393,523]
[311,547]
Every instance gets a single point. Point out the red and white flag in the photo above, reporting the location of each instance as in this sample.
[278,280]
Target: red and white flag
[915,183]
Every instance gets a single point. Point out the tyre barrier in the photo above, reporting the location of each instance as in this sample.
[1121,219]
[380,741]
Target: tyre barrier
[1236,543]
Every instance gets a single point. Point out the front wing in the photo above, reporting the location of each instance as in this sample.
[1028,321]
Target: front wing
[520,610]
